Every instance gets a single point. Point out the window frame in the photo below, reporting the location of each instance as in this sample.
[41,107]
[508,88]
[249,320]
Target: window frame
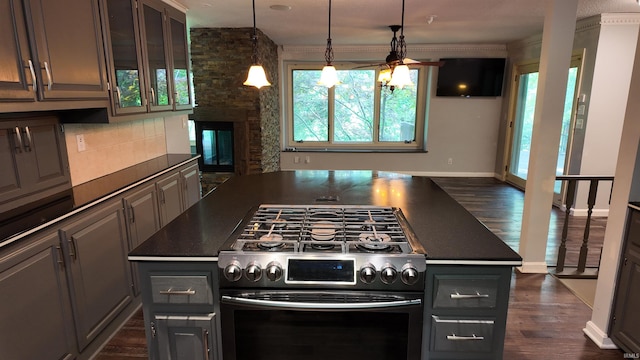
[418,145]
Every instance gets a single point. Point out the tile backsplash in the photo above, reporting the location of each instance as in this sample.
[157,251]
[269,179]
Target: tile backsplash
[112,147]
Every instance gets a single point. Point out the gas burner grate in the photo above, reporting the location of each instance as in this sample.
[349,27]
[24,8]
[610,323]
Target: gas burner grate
[284,228]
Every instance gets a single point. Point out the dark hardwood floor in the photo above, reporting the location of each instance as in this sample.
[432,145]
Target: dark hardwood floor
[545,319]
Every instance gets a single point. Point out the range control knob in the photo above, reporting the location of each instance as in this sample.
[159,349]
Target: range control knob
[409,274]
[253,272]
[367,273]
[388,274]
[274,271]
[233,271]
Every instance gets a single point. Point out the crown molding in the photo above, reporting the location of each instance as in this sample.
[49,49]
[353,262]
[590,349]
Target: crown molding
[620,19]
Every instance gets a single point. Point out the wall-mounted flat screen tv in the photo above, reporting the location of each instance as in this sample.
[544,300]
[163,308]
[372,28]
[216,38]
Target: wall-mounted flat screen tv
[470,77]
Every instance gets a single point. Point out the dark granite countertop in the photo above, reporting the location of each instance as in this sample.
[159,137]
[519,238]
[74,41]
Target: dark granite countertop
[448,232]
[78,197]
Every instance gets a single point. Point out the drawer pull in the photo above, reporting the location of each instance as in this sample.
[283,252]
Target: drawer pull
[455,337]
[177,292]
[477,295]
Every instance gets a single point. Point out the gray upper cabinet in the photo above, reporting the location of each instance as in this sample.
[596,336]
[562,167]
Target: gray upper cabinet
[147,55]
[177,26]
[100,280]
[34,277]
[16,80]
[33,159]
[51,50]
[155,40]
[125,57]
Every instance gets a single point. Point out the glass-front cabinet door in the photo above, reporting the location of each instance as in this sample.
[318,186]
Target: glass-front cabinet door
[180,60]
[155,33]
[125,59]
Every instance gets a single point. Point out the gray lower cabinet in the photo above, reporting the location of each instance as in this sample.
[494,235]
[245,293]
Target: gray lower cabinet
[180,307]
[186,337]
[192,186]
[465,312]
[625,331]
[96,250]
[143,220]
[33,278]
[170,196]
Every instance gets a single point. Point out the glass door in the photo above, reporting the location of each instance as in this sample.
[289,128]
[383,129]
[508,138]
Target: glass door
[522,114]
[214,141]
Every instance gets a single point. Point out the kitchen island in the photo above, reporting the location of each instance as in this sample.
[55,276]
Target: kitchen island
[463,257]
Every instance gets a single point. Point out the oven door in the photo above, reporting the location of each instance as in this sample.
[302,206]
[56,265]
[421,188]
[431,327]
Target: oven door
[320,325]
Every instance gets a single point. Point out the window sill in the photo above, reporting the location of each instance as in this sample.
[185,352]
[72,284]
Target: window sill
[335,150]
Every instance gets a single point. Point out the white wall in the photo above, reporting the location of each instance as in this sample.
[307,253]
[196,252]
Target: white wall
[112,147]
[608,44]
[609,92]
[177,134]
[463,130]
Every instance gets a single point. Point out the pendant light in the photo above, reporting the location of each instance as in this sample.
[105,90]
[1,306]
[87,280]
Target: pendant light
[329,75]
[400,77]
[256,76]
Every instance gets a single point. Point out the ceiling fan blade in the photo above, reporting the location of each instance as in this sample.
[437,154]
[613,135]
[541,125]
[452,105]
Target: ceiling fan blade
[408,61]
[368,65]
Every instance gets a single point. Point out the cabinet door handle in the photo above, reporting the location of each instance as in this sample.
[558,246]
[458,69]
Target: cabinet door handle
[477,295]
[177,292]
[59,257]
[132,216]
[27,143]
[72,248]
[48,71]
[455,337]
[18,140]
[205,341]
[118,97]
[153,97]
[162,200]
[33,76]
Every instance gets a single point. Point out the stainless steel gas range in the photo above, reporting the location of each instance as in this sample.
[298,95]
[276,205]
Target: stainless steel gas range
[319,282]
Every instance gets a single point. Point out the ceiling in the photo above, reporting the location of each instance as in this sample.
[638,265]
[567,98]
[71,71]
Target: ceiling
[365,22]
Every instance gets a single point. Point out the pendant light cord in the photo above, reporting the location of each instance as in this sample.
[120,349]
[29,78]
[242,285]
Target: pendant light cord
[402,46]
[254,37]
[328,53]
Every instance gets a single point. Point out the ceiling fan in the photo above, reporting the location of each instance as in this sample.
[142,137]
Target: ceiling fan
[393,59]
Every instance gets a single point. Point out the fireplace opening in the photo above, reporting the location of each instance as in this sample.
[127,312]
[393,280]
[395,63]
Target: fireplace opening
[214,141]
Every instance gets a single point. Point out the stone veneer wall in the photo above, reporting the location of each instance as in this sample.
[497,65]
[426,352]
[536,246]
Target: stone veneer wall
[220,60]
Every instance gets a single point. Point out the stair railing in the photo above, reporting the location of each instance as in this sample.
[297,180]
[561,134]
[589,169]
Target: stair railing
[569,202]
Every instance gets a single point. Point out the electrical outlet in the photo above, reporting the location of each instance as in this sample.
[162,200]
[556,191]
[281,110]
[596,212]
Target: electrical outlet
[307,159]
[82,146]
[296,159]
[450,161]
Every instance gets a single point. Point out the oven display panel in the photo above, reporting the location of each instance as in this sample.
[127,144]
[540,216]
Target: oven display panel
[319,271]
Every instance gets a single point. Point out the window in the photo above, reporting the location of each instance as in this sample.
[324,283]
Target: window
[357,114]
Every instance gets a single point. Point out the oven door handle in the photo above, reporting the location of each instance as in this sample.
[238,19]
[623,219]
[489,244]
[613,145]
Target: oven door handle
[320,306]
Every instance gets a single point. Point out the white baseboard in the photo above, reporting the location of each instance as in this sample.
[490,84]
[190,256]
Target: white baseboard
[530,267]
[596,212]
[447,174]
[598,336]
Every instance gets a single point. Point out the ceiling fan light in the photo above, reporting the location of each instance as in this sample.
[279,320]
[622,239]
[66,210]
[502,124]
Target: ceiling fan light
[384,76]
[257,77]
[329,76]
[400,77]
